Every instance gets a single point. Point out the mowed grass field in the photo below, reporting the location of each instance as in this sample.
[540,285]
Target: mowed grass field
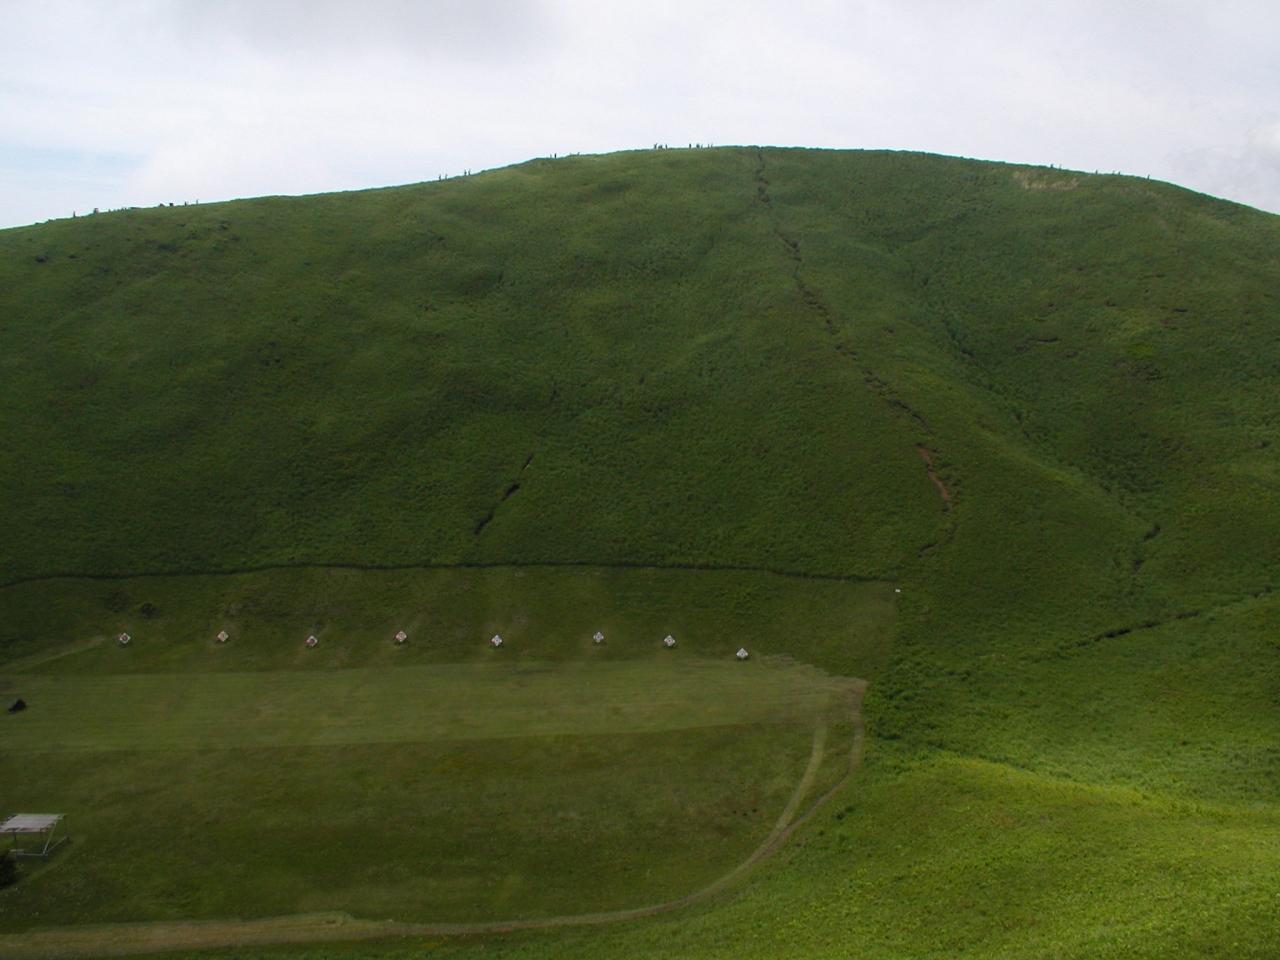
[441,780]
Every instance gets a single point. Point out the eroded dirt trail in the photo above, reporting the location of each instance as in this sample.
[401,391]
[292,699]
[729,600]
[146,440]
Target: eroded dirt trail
[837,328]
[927,456]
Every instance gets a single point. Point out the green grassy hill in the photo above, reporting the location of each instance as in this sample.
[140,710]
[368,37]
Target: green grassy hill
[737,391]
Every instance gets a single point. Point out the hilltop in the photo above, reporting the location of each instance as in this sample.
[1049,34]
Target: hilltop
[1041,404]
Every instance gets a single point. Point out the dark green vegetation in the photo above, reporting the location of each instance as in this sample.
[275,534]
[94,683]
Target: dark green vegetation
[779,360]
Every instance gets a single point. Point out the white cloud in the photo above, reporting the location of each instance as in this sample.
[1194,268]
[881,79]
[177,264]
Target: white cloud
[215,100]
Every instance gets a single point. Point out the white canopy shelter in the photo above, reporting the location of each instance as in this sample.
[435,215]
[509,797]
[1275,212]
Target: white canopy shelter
[401,636]
[223,636]
[123,639]
[496,640]
[33,823]
[599,637]
[742,653]
[312,641]
[669,641]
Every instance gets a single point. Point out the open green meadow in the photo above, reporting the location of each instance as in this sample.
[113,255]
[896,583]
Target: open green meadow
[440,779]
[740,396]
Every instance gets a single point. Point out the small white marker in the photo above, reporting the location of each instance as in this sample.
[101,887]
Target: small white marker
[401,636]
[495,641]
[123,639]
[223,636]
[599,637]
[669,641]
[312,641]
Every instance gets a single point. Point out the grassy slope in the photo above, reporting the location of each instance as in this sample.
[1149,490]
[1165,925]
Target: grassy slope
[362,378]
[437,780]
[729,357]
[546,613]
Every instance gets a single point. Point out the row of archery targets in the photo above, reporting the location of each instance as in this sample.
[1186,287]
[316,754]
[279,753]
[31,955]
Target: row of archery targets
[400,637]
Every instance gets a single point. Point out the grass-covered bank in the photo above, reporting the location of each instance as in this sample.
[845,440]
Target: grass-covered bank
[448,614]
[1039,402]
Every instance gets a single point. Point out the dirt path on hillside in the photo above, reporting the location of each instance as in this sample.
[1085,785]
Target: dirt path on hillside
[927,456]
[840,329]
[117,940]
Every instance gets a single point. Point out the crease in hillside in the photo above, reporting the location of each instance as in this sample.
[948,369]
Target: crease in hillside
[1005,399]
[1039,448]
[511,489]
[818,306]
[1139,551]
[1151,623]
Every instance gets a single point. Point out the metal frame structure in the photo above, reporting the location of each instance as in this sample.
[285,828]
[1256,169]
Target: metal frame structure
[33,823]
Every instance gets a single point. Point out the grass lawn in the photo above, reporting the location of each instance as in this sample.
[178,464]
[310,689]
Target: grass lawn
[441,780]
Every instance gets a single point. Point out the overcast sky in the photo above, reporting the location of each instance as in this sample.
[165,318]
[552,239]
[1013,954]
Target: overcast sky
[116,102]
